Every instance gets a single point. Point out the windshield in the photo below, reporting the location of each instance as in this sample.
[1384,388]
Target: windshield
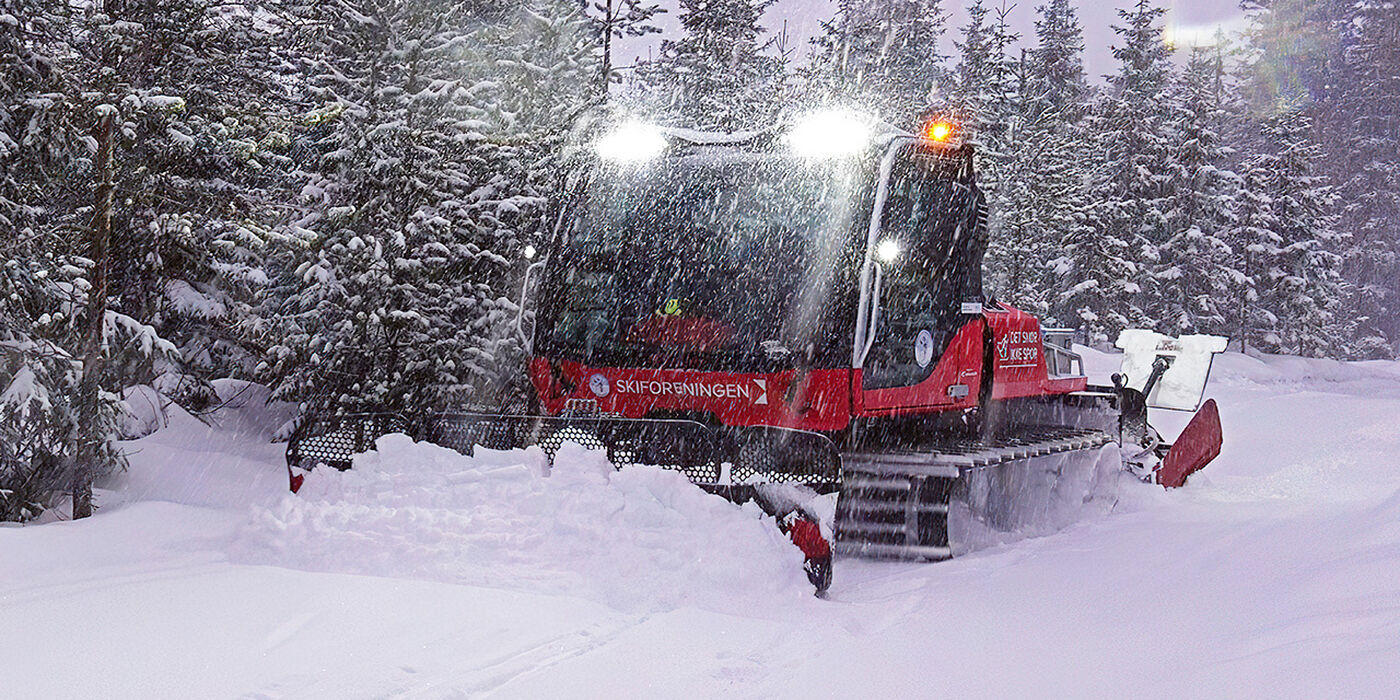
[696,258]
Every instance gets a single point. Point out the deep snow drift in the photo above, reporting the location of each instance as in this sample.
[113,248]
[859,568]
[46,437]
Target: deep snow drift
[425,574]
[637,538]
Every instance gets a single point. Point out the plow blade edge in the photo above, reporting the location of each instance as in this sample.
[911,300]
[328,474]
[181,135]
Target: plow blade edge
[1198,444]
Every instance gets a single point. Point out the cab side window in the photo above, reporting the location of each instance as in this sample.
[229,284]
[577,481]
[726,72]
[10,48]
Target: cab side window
[924,217]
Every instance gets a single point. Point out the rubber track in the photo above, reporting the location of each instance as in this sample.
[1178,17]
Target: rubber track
[895,504]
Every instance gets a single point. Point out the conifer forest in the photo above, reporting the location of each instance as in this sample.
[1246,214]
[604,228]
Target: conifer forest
[340,200]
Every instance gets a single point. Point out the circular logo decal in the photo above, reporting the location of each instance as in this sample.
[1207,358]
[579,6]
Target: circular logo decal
[598,384]
[923,348]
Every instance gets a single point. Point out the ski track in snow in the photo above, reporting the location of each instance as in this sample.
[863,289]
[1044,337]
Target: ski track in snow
[1275,572]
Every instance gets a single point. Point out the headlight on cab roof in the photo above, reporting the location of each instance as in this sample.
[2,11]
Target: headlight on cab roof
[632,142]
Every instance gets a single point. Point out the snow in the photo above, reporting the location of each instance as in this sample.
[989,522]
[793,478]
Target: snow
[24,388]
[146,411]
[642,539]
[422,573]
[223,460]
[185,299]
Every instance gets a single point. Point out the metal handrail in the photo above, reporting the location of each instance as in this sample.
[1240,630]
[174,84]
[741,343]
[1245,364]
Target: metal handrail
[1061,353]
[874,315]
[525,341]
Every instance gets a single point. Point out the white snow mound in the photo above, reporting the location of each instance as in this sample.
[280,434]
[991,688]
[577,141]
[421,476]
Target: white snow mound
[146,412]
[636,539]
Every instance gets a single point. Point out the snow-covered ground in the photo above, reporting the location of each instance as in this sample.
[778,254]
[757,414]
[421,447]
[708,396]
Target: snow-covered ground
[1275,573]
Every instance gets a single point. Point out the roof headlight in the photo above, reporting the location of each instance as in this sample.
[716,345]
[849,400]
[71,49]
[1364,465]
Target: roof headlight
[633,142]
[829,134]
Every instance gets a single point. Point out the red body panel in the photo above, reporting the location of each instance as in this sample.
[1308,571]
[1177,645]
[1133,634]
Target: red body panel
[821,400]
[815,400]
[961,363]
[1018,358]
[1018,367]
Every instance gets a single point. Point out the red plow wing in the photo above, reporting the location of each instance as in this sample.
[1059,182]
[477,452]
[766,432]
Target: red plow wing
[1198,445]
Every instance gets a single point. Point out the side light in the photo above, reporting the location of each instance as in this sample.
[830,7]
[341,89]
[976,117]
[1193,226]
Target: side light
[887,250]
[829,134]
[633,142]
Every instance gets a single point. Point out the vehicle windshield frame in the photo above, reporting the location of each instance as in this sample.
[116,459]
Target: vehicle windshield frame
[829,237]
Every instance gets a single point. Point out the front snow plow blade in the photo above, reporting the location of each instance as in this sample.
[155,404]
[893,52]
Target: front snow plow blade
[1168,373]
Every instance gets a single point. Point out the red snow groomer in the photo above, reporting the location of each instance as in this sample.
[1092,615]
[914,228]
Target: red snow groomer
[797,316]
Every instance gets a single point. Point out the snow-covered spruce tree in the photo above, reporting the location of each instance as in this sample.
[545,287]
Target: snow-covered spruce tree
[616,19]
[1337,60]
[47,422]
[720,73]
[1298,48]
[842,52]
[1256,241]
[1198,272]
[395,298]
[991,97]
[1297,262]
[986,98]
[978,61]
[22,72]
[39,381]
[200,141]
[1056,102]
[58,406]
[985,93]
[884,55]
[1057,63]
[1043,222]
[1040,203]
[34,430]
[544,54]
[1023,229]
[1108,267]
[1364,162]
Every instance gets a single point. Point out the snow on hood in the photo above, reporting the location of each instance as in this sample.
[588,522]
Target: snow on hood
[636,539]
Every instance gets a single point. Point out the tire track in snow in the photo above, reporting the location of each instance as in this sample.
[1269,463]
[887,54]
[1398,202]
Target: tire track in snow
[494,674]
[103,579]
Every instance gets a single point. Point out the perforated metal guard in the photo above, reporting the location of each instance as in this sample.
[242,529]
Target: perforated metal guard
[334,440]
[783,455]
[732,456]
[681,445]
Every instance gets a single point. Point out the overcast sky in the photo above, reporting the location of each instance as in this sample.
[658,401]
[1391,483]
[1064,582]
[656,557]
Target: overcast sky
[1187,22]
